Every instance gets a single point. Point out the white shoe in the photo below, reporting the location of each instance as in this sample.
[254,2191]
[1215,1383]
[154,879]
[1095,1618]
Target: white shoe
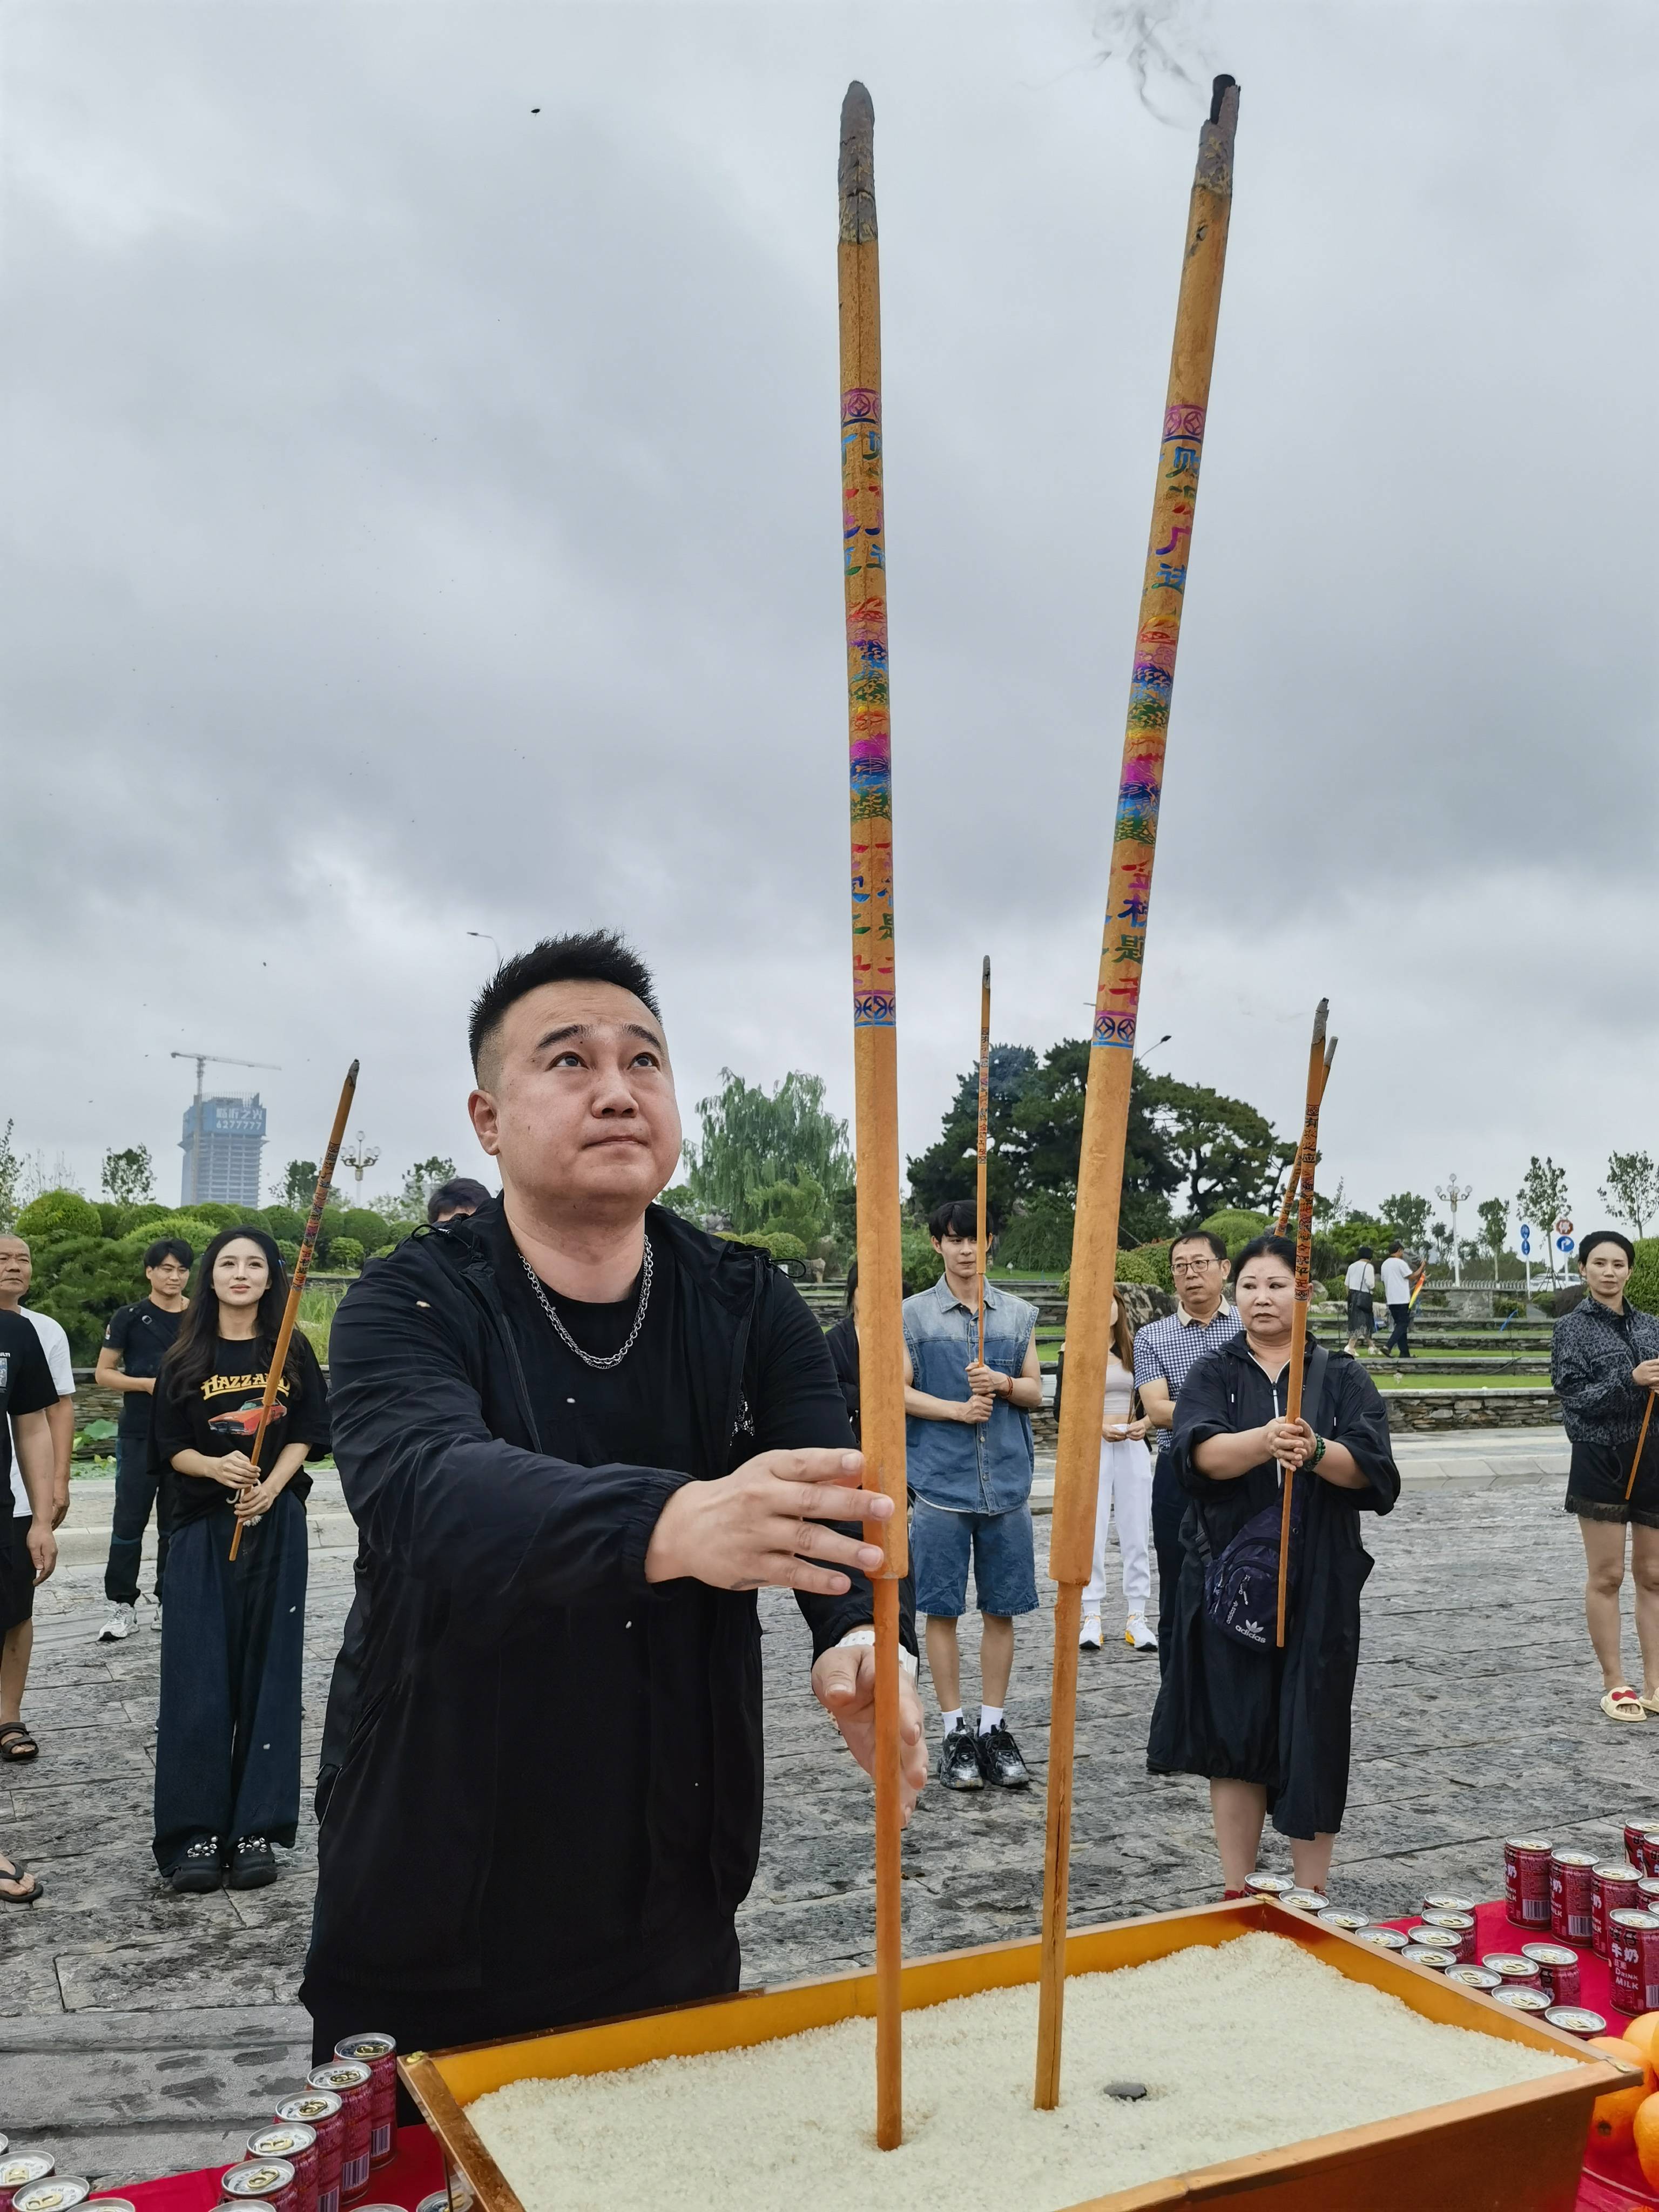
[118,1624]
[1137,1635]
[1088,1636]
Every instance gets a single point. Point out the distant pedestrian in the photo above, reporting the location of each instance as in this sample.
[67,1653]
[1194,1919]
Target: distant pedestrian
[1125,1485]
[1397,1294]
[1166,1353]
[16,1273]
[969,1463]
[136,1340]
[1360,1282]
[1604,1362]
[460,1194]
[844,1342]
[228,1735]
[28,1549]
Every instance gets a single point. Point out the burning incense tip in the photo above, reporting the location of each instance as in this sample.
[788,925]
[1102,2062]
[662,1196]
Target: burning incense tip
[1330,1055]
[1321,1011]
[1215,140]
[858,166]
[351,1072]
[985,972]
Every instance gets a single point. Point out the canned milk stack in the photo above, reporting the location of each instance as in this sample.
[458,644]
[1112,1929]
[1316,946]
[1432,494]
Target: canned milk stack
[17,2173]
[260,2182]
[1558,1970]
[1527,1882]
[1614,1887]
[1570,1896]
[1633,1955]
[353,2084]
[323,2113]
[379,2053]
[1458,1926]
[295,2141]
[53,2192]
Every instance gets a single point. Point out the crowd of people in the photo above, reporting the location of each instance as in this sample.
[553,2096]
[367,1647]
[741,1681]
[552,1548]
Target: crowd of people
[577,1435]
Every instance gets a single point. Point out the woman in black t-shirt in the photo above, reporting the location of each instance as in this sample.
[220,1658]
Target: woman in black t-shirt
[228,1738]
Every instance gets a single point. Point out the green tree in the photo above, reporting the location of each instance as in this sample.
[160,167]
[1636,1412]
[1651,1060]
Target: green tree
[1542,1196]
[11,1179]
[753,1140]
[423,1178]
[1494,1230]
[345,1254]
[128,1177]
[298,1186]
[1049,1131]
[949,1168]
[60,1214]
[1226,1154]
[1631,1190]
[1406,1216]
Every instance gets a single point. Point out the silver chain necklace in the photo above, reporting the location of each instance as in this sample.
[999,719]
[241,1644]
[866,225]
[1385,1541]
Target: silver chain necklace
[587,1358]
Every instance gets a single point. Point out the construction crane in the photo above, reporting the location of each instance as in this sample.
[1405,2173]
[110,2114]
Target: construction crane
[219,1059]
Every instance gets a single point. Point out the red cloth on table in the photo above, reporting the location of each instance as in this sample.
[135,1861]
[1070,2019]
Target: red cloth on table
[415,2173]
[1615,2184]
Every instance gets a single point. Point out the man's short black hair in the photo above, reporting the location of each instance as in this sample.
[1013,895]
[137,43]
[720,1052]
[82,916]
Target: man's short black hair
[1397,1246]
[1218,1244]
[594,956]
[1364,1253]
[170,1248]
[459,1195]
[958,1217]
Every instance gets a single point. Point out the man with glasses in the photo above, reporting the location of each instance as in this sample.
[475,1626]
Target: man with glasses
[1166,1353]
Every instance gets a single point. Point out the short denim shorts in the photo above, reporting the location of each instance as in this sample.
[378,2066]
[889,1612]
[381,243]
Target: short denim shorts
[1004,1558]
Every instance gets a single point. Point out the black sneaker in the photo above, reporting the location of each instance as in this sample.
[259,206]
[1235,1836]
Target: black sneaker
[199,1869]
[959,1769]
[252,1864]
[999,1758]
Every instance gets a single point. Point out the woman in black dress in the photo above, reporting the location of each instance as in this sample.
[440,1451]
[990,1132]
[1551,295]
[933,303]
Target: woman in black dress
[1268,1727]
[228,1737]
[1604,1363]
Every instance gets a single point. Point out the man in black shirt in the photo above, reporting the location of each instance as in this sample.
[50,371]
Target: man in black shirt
[28,1549]
[576,1434]
[136,1340]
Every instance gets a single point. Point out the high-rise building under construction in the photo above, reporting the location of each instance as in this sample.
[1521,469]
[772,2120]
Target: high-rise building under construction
[222,1157]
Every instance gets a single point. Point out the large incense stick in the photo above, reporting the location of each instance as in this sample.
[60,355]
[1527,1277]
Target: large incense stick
[1111,1062]
[984,1130]
[302,1269]
[1642,1438]
[1306,1160]
[875,1039]
[1295,1183]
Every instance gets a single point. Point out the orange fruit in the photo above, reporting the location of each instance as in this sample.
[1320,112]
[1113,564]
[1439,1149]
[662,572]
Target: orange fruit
[1613,2118]
[1646,2139]
[1641,2032]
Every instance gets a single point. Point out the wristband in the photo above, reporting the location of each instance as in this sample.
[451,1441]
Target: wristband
[906,1659]
[1318,1449]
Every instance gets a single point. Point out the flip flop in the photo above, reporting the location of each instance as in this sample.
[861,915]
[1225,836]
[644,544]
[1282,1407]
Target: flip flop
[30,1896]
[1623,1705]
[1649,1704]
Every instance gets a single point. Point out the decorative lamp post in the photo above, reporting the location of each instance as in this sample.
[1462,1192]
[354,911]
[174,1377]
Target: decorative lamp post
[360,1160]
[1453,1193]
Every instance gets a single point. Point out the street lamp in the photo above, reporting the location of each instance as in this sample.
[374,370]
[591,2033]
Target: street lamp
[1453,1193]
[484,937]
[360,1157]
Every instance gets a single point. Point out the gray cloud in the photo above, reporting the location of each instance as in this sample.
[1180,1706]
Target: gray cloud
[427,519]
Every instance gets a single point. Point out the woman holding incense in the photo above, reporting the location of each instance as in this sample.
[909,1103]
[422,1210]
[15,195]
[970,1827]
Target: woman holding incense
[1270,1727]
[228,1737]
[1126,1483]
[1604,1363]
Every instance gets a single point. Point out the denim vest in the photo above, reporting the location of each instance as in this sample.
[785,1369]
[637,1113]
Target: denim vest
[971,1469]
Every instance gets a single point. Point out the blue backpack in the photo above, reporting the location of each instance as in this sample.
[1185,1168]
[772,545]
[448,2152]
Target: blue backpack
[1241,1584]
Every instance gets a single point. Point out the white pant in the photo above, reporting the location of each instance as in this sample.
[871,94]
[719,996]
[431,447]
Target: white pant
[1125,1475]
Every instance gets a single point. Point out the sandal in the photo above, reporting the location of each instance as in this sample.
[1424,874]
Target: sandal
[29,1896]
[16,1743]
[1623,1705]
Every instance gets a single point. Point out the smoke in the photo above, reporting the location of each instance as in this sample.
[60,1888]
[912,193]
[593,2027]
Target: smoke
[1163,45]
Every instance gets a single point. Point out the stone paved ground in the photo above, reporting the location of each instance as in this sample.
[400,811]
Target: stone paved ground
[141,2033]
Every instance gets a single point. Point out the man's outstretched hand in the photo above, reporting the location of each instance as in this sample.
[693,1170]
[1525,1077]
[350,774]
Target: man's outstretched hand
[762,1527]
[844,1683]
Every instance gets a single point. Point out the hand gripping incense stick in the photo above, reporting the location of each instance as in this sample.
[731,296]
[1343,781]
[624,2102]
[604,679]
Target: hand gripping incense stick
[1111,1061]
[1307,1157]
[984,1129]
[875,1038]
[302,1269]
[1295,1183]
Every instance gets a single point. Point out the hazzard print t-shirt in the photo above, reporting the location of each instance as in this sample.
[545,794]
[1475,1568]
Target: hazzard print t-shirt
[221,1413]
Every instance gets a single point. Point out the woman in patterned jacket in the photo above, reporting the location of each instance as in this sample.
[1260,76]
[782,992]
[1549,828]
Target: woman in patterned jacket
[1604,1363]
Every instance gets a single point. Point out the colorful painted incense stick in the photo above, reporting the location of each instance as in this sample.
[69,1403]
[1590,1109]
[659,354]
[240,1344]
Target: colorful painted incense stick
[984,1130]
[1111,1063]
[1306,1160]
[875,1039]
[302,1269]
[1295,1183]
[1642,1438]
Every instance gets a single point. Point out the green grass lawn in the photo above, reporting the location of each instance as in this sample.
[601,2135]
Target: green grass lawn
[1424,1377]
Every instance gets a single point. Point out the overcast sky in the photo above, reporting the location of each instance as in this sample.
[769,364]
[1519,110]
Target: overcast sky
[425,519]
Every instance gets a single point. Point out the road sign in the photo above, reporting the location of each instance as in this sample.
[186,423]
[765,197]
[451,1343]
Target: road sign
[1526,1243]
[1526,1229]
[1563,1243]
[1563,1227]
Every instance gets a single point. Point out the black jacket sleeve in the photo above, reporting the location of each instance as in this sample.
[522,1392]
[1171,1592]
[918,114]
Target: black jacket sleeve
[1360,1422]
[438,1498]
[1201,1411]
[800,1408]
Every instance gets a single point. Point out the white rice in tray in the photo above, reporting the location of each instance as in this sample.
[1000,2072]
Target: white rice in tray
[1241,2048]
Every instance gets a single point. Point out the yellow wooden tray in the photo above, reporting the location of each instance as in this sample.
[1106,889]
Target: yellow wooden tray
[1509,2150]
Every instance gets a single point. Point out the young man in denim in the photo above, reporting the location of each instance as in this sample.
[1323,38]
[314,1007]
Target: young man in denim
[967,1442]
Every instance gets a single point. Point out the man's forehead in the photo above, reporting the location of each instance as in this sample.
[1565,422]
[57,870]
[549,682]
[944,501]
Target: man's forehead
[9,1245]
[586,1005]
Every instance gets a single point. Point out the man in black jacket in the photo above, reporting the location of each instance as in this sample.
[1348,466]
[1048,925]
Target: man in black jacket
[576,1434]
